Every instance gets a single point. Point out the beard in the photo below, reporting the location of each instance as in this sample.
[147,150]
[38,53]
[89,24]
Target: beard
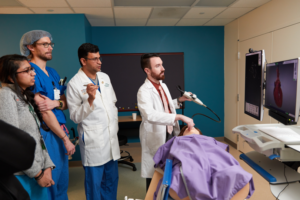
[158,76]
[45,57]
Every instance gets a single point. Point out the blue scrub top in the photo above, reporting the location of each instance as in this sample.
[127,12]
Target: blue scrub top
[44,86]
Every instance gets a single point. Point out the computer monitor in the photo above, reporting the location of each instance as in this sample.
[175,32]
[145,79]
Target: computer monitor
[282,90]
[254,79]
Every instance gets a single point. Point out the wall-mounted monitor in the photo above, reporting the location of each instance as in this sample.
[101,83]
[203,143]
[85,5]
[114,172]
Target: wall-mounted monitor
[254,79]
[282,90]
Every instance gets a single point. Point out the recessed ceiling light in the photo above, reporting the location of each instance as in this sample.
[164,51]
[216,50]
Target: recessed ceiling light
[202,13]
[50,10]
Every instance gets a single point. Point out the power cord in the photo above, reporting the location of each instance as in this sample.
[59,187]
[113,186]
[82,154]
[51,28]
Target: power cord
[208,116]
[285,186]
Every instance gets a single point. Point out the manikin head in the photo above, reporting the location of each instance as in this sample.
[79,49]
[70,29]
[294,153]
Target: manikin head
[89,58]
[37,44]
[185,131]
[152,65]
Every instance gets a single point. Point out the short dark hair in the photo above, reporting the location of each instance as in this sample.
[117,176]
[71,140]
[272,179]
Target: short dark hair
[145,60]
[85,49]
[185,127]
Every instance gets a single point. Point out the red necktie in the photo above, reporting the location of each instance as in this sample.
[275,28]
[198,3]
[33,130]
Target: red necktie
[169,128]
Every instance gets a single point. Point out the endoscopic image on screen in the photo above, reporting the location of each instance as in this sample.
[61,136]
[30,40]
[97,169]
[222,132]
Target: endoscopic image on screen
[253,85]
[281,88]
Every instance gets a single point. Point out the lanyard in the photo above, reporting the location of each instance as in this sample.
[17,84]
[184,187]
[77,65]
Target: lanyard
[95,84]
[31,110]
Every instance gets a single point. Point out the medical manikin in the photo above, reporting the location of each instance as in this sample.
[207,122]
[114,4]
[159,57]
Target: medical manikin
[210,171]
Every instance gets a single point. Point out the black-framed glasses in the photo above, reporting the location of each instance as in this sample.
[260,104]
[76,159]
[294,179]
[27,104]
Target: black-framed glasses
[46,45]
[29,70]
[94,59]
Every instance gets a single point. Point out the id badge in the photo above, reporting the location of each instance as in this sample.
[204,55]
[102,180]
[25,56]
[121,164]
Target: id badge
[43,144]
[56,94]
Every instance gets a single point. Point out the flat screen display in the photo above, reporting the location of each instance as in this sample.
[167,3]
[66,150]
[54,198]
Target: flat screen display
[281,88]
[254,69]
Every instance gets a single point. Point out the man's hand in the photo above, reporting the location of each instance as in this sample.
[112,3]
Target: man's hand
[187,120]
[91,89]
[183,98]
[47,104]
[69,146]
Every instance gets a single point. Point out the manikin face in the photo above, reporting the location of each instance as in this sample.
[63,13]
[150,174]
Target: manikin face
[25,76]
[92,63]
[192,131]
[40,51]
[157,70]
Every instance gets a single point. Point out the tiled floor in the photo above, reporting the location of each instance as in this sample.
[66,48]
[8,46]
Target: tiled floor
[76,187]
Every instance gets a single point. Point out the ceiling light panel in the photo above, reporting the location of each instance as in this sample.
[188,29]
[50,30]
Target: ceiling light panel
[175,13]
[218,22]
[52,10]
[234,12]
[15,10]
[153,2]
[215,3]
[131,22]
[90,3]
[131,12]
[248,3]
[162,22]
[206,12]
[8,3]
[95,13]
[44,3]
[102,22]
[192,22]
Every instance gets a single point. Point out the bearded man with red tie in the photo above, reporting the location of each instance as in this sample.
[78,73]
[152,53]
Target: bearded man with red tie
[158,111]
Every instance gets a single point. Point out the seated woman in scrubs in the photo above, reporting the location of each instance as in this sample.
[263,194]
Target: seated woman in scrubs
[209,170]
[18,108]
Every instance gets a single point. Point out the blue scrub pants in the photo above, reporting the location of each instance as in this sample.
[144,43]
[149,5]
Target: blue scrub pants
[35,191]
[60,174]
[101,182]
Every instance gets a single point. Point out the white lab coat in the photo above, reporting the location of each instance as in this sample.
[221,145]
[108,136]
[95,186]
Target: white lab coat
[154,122]
[97,124]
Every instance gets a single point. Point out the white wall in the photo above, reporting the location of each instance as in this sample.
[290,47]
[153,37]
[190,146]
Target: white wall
[274,27]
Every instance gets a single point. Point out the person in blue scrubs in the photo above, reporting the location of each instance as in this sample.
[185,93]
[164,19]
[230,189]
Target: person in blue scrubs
[49,95]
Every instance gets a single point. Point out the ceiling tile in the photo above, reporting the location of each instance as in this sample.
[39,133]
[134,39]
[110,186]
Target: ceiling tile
[15,10]
[131,12]
[8,3]
[215,3]
[207,12]
[153,2]
[234,12]
[162,22]
[90,3]
[51,10]
[248,3]
[102,22]
[131,22]
[44,3]
[95,13]
[218,22]
[162,13]
[192,22]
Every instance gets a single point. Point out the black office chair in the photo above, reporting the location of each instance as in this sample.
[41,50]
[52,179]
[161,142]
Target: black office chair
[123,141]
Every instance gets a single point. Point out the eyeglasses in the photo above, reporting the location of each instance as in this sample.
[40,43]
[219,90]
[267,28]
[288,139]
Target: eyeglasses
[94,59]
[29,70]
[46,45]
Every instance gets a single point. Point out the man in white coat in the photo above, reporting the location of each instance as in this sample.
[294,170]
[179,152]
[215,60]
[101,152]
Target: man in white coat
[159,118]
[91,101]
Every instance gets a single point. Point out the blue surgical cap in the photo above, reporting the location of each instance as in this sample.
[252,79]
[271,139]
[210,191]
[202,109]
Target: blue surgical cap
[31,37]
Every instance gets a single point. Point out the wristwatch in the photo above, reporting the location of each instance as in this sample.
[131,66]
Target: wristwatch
[61,104]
